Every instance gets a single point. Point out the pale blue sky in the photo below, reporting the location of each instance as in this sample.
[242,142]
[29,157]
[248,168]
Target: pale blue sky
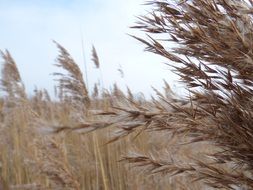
[29,26]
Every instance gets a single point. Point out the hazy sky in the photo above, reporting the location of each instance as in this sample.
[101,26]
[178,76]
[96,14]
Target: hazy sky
[29,26]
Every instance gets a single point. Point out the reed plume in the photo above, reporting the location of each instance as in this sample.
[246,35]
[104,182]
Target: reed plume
[11,81]
[71,84]
[213,57]
[95,58]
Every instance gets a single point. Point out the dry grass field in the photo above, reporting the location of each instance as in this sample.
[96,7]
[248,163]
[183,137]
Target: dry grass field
[111,140]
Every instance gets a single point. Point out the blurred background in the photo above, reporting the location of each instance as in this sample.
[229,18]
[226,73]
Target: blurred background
[28,28]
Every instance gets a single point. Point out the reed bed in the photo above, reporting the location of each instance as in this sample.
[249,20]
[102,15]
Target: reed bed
[114,140]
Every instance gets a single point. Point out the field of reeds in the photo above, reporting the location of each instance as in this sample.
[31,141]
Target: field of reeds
[106,139]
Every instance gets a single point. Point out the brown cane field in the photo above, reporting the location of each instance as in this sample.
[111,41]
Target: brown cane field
[103,139]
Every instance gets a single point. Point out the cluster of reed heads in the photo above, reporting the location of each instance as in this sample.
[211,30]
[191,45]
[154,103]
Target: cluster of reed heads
[108,139]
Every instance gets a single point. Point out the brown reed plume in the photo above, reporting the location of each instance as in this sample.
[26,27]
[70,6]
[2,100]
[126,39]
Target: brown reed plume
[95,58]
[11,82]
[71,84]
[52,163]
[213,56]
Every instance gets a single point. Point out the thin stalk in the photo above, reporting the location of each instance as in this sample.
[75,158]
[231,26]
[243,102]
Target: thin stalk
[104,178]
[84,61]
[96,158]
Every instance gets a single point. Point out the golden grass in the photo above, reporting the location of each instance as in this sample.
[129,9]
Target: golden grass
[33,158]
